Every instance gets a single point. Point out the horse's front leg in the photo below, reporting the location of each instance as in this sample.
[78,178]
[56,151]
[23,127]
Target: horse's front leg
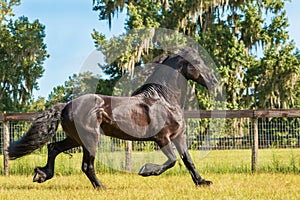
[44,173]
[151,169]
[180,143]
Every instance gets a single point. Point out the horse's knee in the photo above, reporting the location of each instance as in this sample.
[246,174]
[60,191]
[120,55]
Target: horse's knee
[87,169]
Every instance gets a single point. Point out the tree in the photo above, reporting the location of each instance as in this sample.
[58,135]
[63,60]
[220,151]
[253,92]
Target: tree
[6,8]
[79,84]
[37,105]
[22,54]
[232,32]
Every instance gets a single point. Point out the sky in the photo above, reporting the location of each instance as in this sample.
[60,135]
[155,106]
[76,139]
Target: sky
[69,24]
[68,28]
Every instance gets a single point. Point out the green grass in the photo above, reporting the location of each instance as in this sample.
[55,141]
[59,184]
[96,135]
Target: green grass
[218,161]
[239,161]
[131,186]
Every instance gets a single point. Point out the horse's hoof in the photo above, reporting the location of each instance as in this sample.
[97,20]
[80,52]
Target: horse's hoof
[204,183]
[143,171]
[39,175]
[150,169]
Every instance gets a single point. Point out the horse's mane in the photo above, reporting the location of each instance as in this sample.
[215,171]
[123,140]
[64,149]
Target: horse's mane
[150,90]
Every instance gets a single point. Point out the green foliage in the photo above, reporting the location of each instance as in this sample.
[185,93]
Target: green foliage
[145,15]
[22,54]
[108,8]
[37,105]
[83,83]
[232,32]
[6,8]
[251,81]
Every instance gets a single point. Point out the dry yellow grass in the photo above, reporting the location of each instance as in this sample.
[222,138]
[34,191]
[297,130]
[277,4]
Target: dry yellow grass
[131,186]
[229,170]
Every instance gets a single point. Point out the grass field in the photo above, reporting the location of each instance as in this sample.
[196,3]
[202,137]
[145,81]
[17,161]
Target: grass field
[129,186]
[230,170]
[221,161]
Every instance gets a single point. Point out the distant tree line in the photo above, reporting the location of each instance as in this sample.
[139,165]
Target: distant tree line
[22,55]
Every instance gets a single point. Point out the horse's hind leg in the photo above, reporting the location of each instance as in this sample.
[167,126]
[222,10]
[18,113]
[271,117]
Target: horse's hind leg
[150,169]
[44,173]
[180,143]
[88,168]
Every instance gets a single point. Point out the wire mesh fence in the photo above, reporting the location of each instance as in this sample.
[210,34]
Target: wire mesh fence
[273,133]
[279,133]
[204,136]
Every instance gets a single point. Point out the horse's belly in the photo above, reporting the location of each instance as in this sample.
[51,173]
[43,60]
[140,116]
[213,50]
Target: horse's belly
[115,131]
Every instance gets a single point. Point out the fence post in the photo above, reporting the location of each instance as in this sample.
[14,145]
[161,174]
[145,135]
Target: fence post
[5,147]
[254,159]
[128,156]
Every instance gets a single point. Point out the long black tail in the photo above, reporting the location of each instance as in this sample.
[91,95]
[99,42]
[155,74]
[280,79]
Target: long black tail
[40,132]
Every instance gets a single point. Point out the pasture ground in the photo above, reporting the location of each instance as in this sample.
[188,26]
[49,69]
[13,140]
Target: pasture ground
[217,161]
[230,170]
[131,186]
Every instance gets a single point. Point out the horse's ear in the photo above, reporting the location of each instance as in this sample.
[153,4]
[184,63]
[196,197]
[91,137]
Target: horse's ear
[160,58]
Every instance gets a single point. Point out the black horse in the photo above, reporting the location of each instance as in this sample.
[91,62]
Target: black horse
[154,112]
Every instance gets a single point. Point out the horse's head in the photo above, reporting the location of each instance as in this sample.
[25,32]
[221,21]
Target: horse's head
[190,64]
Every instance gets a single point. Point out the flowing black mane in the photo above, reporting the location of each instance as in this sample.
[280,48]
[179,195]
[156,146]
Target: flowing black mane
[151,90]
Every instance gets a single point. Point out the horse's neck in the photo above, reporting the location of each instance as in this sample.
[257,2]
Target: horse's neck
[171,79]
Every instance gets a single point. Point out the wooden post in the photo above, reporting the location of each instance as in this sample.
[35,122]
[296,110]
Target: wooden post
[5,147]
[128,156]
[254,145]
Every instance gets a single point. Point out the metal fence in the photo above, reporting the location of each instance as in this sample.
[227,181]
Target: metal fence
[273,133]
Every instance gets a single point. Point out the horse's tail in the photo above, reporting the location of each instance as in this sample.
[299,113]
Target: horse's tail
[40,132]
